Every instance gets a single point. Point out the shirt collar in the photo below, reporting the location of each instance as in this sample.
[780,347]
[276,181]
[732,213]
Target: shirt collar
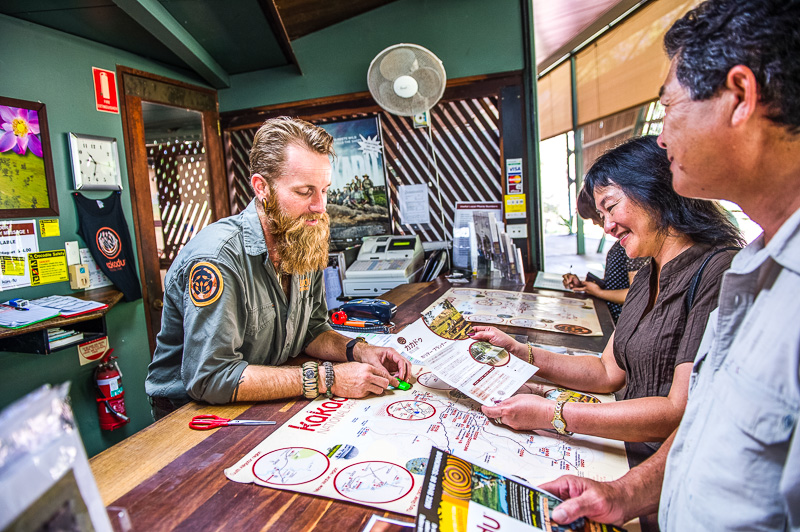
[784,248]
[252,233]
[684,259]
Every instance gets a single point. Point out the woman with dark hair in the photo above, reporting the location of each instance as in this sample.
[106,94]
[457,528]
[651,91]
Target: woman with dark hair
[620,269]
[659,331]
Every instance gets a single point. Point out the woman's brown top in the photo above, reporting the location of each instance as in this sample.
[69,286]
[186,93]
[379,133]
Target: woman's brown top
[649,346]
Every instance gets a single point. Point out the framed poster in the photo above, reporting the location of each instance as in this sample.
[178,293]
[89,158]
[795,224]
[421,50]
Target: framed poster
[27,183]
[358,201]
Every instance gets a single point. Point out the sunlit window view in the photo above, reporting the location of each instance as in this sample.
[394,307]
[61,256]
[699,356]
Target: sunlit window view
[562,236]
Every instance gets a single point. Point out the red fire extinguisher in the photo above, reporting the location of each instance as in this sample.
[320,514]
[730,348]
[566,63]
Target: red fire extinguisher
[111,400]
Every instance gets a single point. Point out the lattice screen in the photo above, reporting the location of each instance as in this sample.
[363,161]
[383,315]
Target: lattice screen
[463,143]
[180,181]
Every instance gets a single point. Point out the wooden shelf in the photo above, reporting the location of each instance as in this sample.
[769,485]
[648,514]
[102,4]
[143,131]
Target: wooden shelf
[33,338]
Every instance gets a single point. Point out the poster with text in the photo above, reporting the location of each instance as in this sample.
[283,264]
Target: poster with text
[358,202]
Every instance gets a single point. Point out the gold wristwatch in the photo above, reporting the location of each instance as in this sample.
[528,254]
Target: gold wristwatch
[558,420]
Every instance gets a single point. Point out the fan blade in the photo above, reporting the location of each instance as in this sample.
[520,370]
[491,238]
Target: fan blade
[429,81]
[398,62]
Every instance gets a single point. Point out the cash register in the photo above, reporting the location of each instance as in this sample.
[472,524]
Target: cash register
[383,262]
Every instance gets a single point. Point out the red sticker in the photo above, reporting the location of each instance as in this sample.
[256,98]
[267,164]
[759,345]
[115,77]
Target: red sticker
[205,284]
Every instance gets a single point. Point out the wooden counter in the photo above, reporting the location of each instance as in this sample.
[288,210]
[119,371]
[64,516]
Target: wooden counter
[170,477]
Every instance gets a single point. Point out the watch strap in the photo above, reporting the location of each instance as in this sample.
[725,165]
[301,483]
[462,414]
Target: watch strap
[310,373]
[350,345]
[559,423]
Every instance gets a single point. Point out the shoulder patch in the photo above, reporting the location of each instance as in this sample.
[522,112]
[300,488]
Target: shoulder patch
[205,284]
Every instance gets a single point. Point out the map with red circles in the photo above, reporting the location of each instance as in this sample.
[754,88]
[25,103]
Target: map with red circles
[374,451]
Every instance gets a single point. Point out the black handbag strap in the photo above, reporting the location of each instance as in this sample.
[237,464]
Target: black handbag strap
[695,282]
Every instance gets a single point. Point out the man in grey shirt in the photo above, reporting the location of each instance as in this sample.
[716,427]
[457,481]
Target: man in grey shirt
[732,131]
[246,294]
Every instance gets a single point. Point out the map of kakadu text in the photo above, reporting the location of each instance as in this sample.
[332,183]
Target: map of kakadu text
[374,451]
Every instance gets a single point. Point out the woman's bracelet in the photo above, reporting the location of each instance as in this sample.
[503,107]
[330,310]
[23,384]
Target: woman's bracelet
[530,354]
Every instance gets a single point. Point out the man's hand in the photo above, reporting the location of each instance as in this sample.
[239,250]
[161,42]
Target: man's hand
[355,380]
[600,501]
[385,359]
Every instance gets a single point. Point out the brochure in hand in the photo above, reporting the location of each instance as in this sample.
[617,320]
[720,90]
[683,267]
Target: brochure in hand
[458,495]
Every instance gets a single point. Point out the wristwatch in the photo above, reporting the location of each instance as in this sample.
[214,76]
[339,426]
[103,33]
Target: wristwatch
[558,420]
[310,372]
[350,345]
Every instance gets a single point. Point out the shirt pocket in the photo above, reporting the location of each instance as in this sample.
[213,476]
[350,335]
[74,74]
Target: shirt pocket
[258,318]
[752,433]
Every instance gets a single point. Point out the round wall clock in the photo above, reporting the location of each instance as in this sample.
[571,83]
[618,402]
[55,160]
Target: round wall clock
[95,162]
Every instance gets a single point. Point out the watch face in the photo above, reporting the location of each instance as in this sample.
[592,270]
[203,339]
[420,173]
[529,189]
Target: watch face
[559,425]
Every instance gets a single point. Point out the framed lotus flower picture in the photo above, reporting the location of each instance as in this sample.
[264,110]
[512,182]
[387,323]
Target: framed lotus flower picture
[27,183]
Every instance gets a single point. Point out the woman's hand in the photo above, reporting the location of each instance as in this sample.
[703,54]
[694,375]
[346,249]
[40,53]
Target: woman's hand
[588,287]
[495,336]
[572,281]
[523,412]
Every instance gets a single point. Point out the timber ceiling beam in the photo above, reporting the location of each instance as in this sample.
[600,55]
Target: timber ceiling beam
[155,18]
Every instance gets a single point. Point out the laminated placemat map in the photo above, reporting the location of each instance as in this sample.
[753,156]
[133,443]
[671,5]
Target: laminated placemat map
[374,451]
[531,311]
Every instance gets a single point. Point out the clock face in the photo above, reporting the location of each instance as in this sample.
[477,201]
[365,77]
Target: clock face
[95,162]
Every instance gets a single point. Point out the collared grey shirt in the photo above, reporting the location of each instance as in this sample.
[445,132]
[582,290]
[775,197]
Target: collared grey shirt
[224,308]
[735,462]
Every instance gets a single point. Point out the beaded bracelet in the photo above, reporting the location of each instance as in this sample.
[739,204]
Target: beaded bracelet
[310,374]
[329,376]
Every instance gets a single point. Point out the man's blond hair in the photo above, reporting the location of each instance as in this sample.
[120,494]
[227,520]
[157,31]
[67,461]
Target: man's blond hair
[268,153]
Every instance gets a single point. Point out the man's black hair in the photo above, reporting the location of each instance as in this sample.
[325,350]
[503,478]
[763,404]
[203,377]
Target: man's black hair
[763,35]
[641,169]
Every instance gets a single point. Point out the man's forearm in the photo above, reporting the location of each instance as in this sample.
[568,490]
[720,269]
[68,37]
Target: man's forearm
[641,486]
[263,383]
[329,345]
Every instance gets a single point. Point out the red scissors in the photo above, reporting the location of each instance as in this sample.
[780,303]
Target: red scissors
[208,422]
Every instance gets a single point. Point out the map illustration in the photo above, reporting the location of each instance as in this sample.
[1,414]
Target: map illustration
[531,311]
[374,450]
[294,465]
[374,482]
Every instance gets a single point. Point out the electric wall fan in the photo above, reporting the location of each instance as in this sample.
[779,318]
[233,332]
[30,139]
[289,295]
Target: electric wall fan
[406,79]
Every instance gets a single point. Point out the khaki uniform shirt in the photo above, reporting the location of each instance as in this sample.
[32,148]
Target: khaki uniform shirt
[224,308]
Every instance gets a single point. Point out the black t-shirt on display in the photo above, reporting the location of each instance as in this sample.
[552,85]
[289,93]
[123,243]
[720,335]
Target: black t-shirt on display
[102,226]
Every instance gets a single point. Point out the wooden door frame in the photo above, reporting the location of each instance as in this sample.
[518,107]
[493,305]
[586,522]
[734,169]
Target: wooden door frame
[137,86]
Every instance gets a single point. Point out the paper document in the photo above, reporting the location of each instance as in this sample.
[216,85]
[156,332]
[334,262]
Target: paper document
[550,281]
[485,373]
[68,305]
[12,318]
[459,494]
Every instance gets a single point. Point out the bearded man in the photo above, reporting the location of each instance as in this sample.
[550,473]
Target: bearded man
[246,294]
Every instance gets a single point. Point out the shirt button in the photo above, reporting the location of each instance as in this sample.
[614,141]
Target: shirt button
[736,299]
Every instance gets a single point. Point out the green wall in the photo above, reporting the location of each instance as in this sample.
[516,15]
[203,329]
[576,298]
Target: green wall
[55,68]
[471,37]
